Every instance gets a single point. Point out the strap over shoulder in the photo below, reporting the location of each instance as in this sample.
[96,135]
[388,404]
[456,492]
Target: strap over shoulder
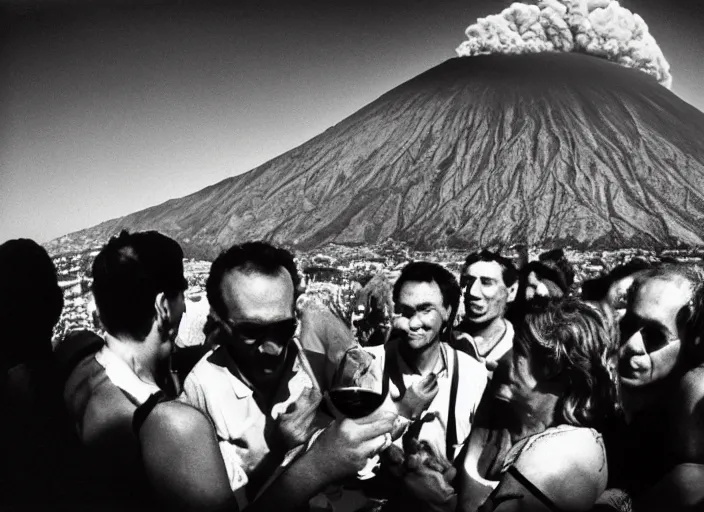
[515,473]
[142,412]
[451,438]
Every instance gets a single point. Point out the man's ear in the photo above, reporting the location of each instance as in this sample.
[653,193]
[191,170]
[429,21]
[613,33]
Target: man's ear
[512,292]
[163,311]
[447,314]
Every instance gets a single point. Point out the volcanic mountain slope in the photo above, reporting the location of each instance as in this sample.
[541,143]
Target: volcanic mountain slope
[540,149]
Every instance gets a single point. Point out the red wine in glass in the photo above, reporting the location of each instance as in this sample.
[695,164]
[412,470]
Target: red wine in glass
[355,402]
[360,384]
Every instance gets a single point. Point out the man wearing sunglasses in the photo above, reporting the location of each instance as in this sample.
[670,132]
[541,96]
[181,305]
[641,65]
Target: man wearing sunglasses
[653,454]
[260,391]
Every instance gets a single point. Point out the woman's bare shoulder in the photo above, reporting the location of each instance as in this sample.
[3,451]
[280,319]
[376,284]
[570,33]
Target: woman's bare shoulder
[568,465]
[564,446]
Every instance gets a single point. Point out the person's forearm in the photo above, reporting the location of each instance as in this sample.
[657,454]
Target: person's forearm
[295,486]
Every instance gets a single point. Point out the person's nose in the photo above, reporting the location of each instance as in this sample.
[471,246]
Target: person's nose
[632,349]
[475,289]
[414,323]
[271,348]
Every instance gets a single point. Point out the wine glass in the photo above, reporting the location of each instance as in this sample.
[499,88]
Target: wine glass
[359,387]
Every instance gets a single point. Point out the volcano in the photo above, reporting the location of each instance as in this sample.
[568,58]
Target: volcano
[544,149]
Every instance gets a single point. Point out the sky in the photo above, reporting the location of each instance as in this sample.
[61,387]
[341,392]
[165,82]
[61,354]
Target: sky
[109,108]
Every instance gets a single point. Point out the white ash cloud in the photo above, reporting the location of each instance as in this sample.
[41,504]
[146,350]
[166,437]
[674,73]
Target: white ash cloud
[597,27]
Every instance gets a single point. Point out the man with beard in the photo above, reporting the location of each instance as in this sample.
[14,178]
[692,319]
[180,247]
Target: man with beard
[490,282]
[260,391]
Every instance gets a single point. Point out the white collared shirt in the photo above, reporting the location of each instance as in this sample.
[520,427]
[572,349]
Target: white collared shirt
[473,378]
[497,352]
[122,376]
[238,420]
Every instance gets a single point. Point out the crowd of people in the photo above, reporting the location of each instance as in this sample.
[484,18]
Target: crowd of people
[499,391]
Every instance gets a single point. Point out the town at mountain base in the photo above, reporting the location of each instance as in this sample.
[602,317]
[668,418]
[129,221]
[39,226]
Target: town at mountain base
[334,274]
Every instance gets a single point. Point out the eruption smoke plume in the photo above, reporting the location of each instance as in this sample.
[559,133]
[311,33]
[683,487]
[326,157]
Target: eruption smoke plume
[597,27]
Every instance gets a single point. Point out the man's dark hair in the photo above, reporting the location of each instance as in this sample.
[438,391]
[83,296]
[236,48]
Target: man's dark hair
[30,301]
[427,272]
[597,288]
[508,269]
[627,269]
[128,274]
[259,257]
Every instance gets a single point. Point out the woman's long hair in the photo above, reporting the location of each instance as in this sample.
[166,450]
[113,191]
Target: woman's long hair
[577,343]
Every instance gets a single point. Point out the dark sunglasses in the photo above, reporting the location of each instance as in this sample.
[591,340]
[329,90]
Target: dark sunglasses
[251,332]
[654,337]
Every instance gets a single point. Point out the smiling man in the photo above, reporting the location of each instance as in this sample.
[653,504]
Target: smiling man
[430,380]
[490,283]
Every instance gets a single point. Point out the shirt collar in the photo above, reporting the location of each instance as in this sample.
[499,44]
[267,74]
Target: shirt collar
[221,357]
[122,376]
[499,349]
[441,368]
[243,388]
